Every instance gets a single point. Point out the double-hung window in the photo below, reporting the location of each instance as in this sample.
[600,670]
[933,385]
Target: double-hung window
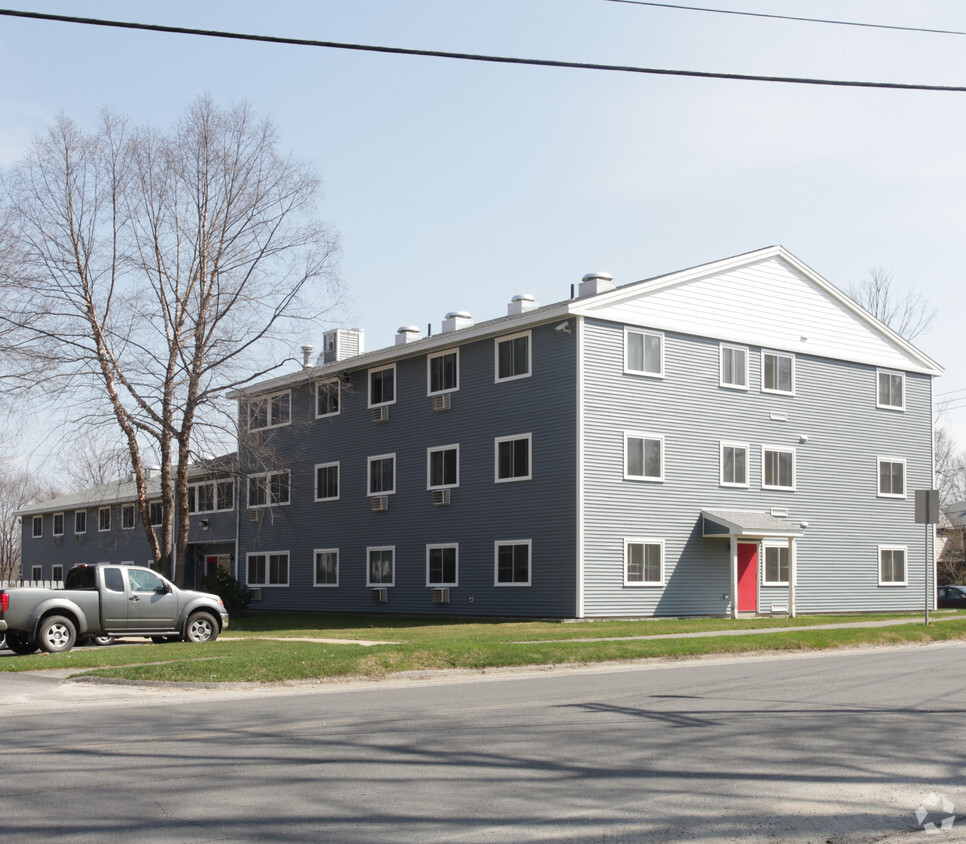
[382,386]
[777,468]
[268,569]
[890,389]
[443,467]
[327,567]
[643,562]
[513,357]
[381,568]
[37,527]
[643,352]
[127,517]
[104,519]
[156,511]
[327,482]
[327,395]
[775,572]
[80,521]
[269,488]
[643,456]
[892,477]
[441,565]
[892,565]
[382,474]
[512,458]
[777,373]
[512,562]
[443,372]
[58,524]
[734,367]
[734,464]
[270,411]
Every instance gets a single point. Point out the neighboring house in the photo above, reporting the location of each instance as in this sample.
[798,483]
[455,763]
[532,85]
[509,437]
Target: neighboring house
[736,437]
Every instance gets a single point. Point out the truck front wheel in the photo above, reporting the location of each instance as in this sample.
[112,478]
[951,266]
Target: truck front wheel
[201,627]
[56,634]
[20,643]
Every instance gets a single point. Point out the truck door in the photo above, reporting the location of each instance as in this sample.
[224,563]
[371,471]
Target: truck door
[150,606]
[113,600]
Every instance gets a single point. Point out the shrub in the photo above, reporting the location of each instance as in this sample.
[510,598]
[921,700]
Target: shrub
[235,594]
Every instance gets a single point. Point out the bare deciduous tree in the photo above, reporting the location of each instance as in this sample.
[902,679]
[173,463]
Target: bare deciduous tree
[18,489]
[908,314]
[149,274]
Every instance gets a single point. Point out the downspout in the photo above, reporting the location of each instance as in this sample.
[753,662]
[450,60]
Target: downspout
[734,576]
[579,538]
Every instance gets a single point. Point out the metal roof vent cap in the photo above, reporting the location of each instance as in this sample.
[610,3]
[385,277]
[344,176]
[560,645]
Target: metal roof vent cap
[521,303]
[594,283]
[407,334]
[455,320]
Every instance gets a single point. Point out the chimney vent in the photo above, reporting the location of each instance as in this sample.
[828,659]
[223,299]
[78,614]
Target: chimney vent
[594,283]
[406,334]
[341,343]
[307,356]
[521,303]
[455,320]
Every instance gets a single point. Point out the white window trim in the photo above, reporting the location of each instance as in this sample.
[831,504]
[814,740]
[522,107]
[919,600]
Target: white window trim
[496,459]
[878,474]
[53,524]
[338,475]
[496,562]
[766,544]
[266,555]
[773,352]
[895,407]
[429,452]
[76,531]
[338,388]
[315,554]
[721,381]
[456,581]
[429,377]
[496,356]
[369,460]
[268,413]
[369,550]
[644,333]
[161,506]
[784,450]
[640,435]
[34,521]
[99,528]
[632,540]
[193,493]
[54,573]
[395,386]
[37,573]
[134,516]
[268,490]
[905,567]
[722,445]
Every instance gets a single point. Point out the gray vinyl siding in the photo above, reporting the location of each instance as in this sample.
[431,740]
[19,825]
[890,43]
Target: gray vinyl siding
[481,511]
[834,406]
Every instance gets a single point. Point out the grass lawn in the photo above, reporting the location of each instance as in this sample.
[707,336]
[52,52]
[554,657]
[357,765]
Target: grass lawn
[265,647]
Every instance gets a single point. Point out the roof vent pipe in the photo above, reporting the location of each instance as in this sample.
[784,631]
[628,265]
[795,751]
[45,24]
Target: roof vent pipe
[307,356]
[406,334]
[594,283]
[521,303]
[455,320]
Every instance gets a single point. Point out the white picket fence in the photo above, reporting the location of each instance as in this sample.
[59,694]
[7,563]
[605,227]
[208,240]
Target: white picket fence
[41,584]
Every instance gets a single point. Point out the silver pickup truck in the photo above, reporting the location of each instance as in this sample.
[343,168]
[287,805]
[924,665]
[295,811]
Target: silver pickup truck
[107,600]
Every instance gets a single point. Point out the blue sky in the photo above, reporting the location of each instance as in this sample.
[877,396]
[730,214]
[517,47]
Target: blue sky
[456,185]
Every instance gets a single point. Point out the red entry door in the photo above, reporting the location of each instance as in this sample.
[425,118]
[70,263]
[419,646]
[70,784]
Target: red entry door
[211,566]
[747,577]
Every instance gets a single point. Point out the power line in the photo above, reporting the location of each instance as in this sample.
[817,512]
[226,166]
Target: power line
[792,18]
[441,54]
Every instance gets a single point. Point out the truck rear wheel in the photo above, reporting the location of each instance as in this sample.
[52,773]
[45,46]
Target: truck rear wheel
[201,627]
[56,634]
[20,643]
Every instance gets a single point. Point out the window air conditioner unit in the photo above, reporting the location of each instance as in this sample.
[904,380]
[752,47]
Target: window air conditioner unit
[57,540]
[254,515]
[380,414]
[440,496]
[79,538]
[441,402]
[380,596]
[380,503]
[441,596]
[255,593]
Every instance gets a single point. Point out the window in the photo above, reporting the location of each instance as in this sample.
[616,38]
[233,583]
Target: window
[777,373]
[381,568]
[57,574]
[734,367]
[211,496]
[643,562]
[643,352]
[441,565]
[890,392]
[512,563]
[327,482]
[127,516]
[513,357]
[734,464]
[327,396]
[270,569]
[775,572]
[80,521]
[157,513]
[777,468]
[37,573]
[58,524]
[145,581]
[113,580]
[892,565]
[104,519]
[382,386]
[513,458]
[442,467]
[892,477]
[270,411]
[37,527]
[269,488]
[443,372]
[643,456]
[327,567]
[382,474]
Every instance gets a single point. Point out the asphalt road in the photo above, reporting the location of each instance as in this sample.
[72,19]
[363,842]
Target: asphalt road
[837,748]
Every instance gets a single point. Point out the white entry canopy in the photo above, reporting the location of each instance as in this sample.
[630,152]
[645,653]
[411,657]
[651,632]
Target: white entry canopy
[748,523]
